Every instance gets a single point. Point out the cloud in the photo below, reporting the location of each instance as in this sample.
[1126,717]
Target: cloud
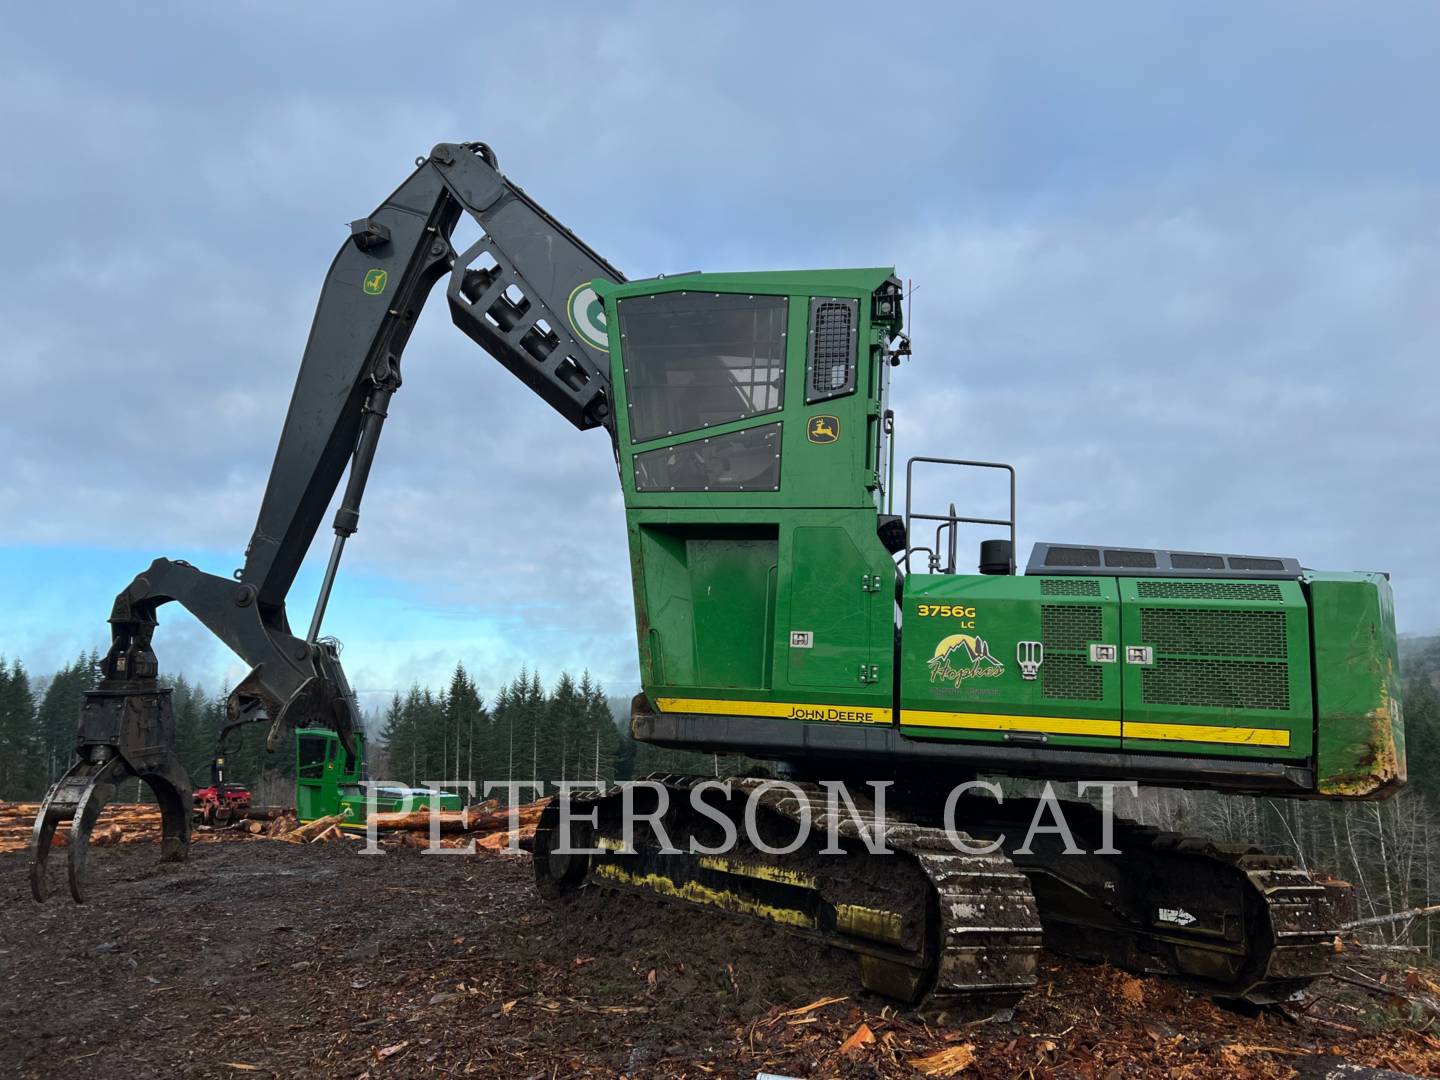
[1179,267]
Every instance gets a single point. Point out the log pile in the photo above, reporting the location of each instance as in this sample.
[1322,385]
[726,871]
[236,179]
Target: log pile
[129,823]
[488,825]
[119,823]
[325,828]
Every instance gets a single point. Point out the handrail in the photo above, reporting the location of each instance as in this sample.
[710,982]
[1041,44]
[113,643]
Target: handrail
[952,520]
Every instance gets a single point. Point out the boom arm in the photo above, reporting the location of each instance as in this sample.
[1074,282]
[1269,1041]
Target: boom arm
[521,292]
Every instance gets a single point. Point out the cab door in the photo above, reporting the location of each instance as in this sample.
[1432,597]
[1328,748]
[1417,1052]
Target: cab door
[833,597]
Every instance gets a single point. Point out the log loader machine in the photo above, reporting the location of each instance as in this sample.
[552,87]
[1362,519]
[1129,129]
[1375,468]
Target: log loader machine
[222,802]
[783,611]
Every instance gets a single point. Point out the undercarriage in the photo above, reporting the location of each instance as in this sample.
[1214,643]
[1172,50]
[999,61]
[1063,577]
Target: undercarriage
[941,917]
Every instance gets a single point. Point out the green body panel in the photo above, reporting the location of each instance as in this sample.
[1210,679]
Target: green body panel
[1226,654]
[829,599]
[763,594]
[946,692]
[328,780]
[717,603]
[1361,745]
[1227,671]
[711,598]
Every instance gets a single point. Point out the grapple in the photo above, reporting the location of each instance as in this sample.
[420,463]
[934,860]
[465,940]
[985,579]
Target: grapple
[127,728]
[127,731]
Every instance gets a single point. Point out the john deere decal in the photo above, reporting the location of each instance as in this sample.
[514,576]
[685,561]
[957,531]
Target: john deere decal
[375,282]
[823,429]
[963,656]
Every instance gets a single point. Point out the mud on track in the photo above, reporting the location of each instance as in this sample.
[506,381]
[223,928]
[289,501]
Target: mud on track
[263,958]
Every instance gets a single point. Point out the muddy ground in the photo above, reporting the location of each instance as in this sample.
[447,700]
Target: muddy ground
[264,958]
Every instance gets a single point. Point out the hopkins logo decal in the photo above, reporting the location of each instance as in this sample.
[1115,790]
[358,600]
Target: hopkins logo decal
[587,317]
[963,656]
[374,283]
[823,429]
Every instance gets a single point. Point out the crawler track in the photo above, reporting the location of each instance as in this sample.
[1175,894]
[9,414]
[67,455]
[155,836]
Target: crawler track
[929,923]
[1231,920]
[932,922]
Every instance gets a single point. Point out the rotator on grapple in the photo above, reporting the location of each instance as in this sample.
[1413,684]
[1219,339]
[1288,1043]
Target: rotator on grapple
[779,615]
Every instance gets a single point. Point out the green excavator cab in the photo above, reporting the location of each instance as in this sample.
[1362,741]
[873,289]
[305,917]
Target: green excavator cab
[329,779]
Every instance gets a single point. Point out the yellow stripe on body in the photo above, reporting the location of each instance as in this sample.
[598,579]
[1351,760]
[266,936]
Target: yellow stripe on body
[1051,725]
[1248,736]
[785,710]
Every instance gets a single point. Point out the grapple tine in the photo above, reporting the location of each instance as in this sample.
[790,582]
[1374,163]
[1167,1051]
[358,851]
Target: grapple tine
[49,816]
[97,793]
[65,800]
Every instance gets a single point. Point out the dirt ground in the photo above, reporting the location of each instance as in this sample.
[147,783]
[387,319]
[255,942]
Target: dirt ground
[265,958]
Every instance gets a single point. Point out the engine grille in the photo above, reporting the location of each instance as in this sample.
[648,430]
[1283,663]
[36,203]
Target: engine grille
[1209,590]
[1212,632]
[1069,626]
[1066,631]
[1069,587]
[1218,684]
[1071,677]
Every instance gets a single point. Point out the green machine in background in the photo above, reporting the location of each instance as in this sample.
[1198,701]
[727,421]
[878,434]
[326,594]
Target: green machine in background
[329,780]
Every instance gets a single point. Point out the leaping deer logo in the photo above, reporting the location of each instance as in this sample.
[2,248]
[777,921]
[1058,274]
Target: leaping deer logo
[823,429]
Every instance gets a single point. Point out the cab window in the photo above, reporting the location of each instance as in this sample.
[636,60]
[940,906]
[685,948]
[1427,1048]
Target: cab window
[311,755]
[696,359]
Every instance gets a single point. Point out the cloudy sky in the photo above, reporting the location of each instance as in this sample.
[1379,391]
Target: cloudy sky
[1179,263]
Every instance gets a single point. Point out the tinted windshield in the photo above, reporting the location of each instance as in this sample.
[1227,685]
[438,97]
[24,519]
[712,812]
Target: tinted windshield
[311,755]
[746,460]
[694,360]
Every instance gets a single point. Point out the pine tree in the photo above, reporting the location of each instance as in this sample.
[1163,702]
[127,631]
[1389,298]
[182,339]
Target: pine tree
[534,718]
[562,730]
[194,738]
[21,768]
[59,712]
[383,763]
[465,713]
[601,737]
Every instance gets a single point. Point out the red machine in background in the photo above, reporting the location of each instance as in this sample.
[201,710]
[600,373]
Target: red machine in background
[221,804]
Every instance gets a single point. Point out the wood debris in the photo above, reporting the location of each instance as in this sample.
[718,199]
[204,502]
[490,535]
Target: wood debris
[949,1062]
[863,1036]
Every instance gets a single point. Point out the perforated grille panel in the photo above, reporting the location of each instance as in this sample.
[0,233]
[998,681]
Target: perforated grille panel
[831,353]
[1219,684]
[1070,676]
[1069,626]
[1069,587]
[1209,590]
[1143,560]
[1215,632]
[1067,630]
[1181,560]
